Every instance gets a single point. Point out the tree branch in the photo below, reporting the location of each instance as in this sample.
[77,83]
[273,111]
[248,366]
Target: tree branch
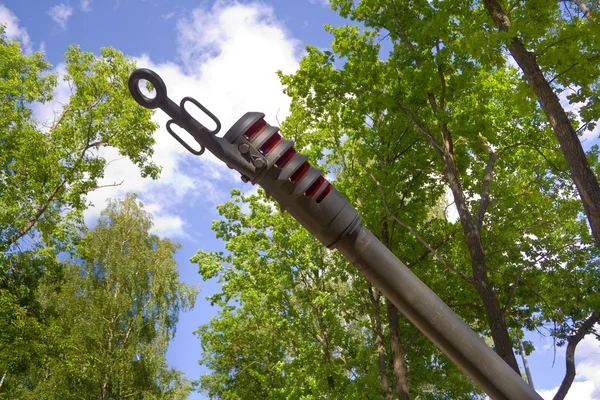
[488,175]
[38,214]
[412,337]
[422,127]
[563,72]
[414,233]
[485,186]
[442,78]
[349,368]
[514,289]
[573,341]
[109,185]
[584,9]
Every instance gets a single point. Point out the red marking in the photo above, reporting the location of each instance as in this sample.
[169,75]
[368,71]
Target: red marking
[255,128]
[314,188]
[300,172]
[325,192]
[286,157]
[270,143]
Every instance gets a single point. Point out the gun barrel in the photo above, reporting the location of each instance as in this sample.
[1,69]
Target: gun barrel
[261,155]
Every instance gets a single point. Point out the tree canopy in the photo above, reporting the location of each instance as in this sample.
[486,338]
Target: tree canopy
[455,162]
[454,128]
[83,314]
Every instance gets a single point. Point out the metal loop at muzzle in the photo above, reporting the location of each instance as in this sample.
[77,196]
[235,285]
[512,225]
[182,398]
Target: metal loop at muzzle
[179,115]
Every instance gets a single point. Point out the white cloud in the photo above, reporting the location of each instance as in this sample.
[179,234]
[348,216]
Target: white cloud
[165,224]
[13,30]
[512,62]
[60,14]
[168,15]
[323,3]
[587,380]
[235,51]
[168,226]
[451,212]
[247,46]
[234,80]
[579,391]
[46,114]
[86,5]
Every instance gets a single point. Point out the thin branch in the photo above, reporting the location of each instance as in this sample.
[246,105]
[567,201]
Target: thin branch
[556,169]
[563,72]
[485,186]
[543,51]
[38,214]
[413,263]
[412,337]
[514,289]
[431,171]
[351,371]
[422,127]
[64,112]
[3,377]
[584,9]
[573,341]
[415,234]
[488,175]
[109,185]
[442,78]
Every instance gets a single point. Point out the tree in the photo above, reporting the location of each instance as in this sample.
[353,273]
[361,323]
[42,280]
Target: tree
[546,52]
[560,52]
[487,143]
[298,322]
[46,171]
[115,310]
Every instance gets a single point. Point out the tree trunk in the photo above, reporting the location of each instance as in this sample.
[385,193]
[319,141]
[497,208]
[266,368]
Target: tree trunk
[378,334]
[105,387]
[398,361]
[324,338]
[493,312]
[584,178]
[398,355]
[3,377]
[573,341]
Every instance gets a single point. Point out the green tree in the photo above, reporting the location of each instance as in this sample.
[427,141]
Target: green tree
[486,142]
[556,47]
[115,309]
[46,172]
[298,321]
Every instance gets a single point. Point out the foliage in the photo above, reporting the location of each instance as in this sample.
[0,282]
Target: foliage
[296,320]
[410,108]
[114,310]
[413,104]
[48,169]
[81,316]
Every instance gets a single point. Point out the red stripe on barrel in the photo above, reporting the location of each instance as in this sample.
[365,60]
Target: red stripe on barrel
[255,128]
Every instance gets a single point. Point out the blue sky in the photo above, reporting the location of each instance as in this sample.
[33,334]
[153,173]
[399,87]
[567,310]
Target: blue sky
[225,54]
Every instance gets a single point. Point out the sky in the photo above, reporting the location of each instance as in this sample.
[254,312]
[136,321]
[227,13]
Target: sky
[225,54]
